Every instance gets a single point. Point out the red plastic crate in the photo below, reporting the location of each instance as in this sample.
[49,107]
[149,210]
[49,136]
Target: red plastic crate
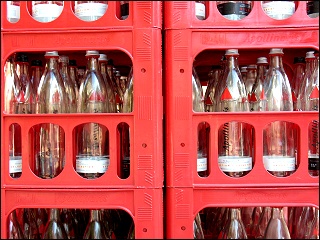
[142,14]
[182,204]
[202,48]
[142,49]
[181,15]
[144,205]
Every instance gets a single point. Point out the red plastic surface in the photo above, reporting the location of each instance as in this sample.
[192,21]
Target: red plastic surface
[142,14]
[202,48]
[181,15]
[182,204]
[142,49]
[144,205]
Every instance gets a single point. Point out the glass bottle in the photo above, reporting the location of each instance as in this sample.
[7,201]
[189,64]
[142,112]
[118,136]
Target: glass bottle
[235,138]
[277,227]
[81,71]
[256,99]
[220,221]
[234,10]
[92,159]
[251,78]
[124,9]
[69,85]
[41,219]
[234,228]
[46,11]
[313,9]
[279,10]
[256,214]
[80,222]
[30,227]
[13,11]
[51,98]
[123,83]
[294,215]
[95,229]
[14,229]
[197,93]
[36,73]
[103,61]
[279,136]
[244,71]
[68,222]
[74,74]
[124,142]
[131,234]
[197,228]
[90,10]
[127,106]
[246,217]
[297,79]
[304,222]
[200,8]
[212,84]
[310,65]
[54,228]
[313,230]
[118,76]
[113,84]
[260,228]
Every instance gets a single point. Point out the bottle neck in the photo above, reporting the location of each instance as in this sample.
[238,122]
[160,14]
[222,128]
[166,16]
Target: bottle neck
[103,68]
[235,213]
[24,68]
[232,62]
[277,213]
[94,215]
[93,63]
[52,63]
[276,62]
[54,214]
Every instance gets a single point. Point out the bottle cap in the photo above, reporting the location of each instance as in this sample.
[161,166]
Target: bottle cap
[262,60]
[64,59]
[92,53]
[103,57]
[73,63]
[52,54]
[299,60]
[36,62]
[244,69]
[252,66]
[232,52]
[310,54]
[276,51]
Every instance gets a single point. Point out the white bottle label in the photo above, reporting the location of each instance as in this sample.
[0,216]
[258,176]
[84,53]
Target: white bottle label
[279,8]
[202,164]
[235,163]
[46,10]
[15,164]
[279,163]
[90,9]
[13,11]
[92,164]
[200,10]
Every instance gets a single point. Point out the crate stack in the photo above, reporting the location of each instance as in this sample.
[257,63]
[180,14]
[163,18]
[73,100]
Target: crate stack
[192,42]
[135,42]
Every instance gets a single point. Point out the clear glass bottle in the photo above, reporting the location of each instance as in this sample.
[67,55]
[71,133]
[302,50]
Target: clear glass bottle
[234,228]
[30,227]
[103,61]
[95,229]
[220,221]
[41,219]
[36,73]
[200,8]
[54,228]
[279,10]
[127,106]
[197,93]
[110,71]
[313,9]
[246,217]
[68,221]
[277,227]
[13,11]
[235,138]
[90,10]
[279,148]
[260,228]
[74,74]
[124,9]
[81,71]
[197,228]
[313,230]
[294,215]
[14,228]
[51,98]
[251,78]
[212,84]
[257,103]
[304,222]
[69,85]
[234,10]
[244,71]
[256,214]
[92,159]
[46,11]
[297,79]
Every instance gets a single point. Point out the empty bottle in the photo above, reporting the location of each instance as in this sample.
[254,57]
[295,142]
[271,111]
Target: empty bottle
[95,229]
[294,215]
[304,222]
[235,138]
[68,221]
[46,11]
[13,11]
[124,9]
[92,159]
[41,219]
[279,10]
[234,10]
[259,229]
[297,79]
[279,146]
[246,217]
[244,71]
[36,73]
[113,84]
[251,78]
[14,228]
[313,9]
[51,98]
[90,10]
[74,74]
[257,103]
[313,230]
[127,106]
[234,228]
[197,228]
[30,227]
[213,75]
[277,227]
[54,228]
[200,8]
